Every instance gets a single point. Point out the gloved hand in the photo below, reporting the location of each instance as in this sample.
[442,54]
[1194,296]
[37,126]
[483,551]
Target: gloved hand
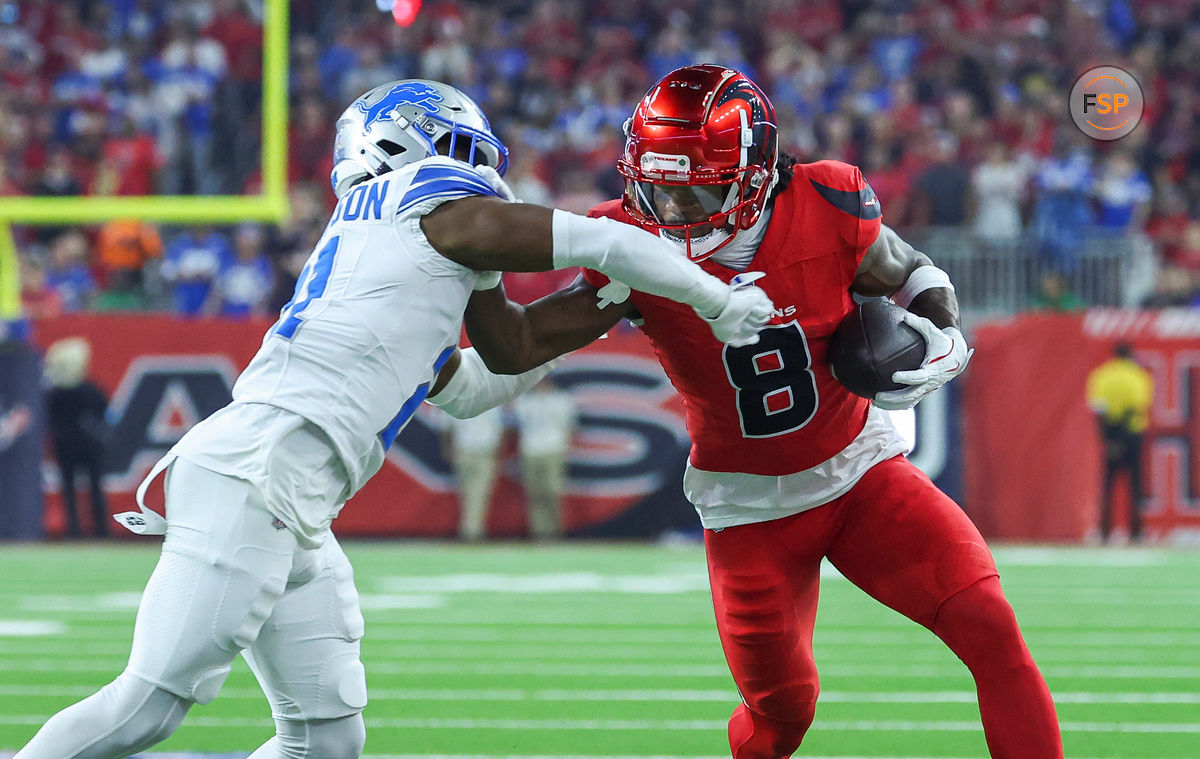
[493,178]
[613,292]
[745,313]
[946,356]
[487,280]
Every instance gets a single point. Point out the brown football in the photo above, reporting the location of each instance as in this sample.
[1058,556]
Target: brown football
[870,344]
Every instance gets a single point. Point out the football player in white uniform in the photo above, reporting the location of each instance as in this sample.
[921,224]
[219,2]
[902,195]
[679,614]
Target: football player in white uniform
[249,564]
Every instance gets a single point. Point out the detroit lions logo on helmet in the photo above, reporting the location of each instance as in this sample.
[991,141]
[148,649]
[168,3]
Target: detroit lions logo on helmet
[407,93]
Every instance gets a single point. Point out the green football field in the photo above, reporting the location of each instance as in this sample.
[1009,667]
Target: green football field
[590,650]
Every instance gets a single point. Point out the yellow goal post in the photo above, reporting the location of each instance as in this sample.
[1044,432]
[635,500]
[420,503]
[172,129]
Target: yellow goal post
[270,205]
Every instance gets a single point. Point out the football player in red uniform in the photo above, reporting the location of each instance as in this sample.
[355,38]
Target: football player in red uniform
[788,467]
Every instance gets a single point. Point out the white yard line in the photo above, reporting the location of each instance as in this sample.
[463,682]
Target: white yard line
[671,725]
[649,695]
[716,669]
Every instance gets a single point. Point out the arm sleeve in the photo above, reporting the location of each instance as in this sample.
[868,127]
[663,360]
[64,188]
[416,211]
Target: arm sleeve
[639,259]
[473,389]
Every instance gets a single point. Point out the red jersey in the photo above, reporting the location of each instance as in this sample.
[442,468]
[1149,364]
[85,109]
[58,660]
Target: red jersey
[773,408]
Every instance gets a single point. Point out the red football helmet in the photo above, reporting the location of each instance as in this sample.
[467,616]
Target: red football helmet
[700,157]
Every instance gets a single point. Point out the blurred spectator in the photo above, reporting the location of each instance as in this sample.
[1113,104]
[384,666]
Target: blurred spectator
[38,299]
[940,197]
[245,285]
[194,260]
[474,451]
[124,247]
[998,185]
[68,274]
[121,97]
[1054,294]
[1167,227]
[1120,393]
[130,163]
[577,191]
[78,432]
[545,420]
[1122,194]
[1062,213]
[191,66]
[1175,287]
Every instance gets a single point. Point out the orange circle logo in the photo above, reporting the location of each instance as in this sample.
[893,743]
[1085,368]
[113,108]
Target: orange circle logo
[1107,103]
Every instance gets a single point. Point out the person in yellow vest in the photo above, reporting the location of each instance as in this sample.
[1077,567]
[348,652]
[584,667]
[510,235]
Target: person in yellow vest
[1120,392]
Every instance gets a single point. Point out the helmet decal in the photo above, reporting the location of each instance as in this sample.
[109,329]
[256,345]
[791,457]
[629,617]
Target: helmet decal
[406,121]
[406,93]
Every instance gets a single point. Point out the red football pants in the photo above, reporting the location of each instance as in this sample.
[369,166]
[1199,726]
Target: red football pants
[909,546]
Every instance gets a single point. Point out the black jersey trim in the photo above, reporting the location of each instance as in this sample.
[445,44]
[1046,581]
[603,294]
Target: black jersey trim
[858,203]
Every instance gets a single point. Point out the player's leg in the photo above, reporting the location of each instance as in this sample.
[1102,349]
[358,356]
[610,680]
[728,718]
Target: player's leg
[476,476]
[100,515]
[307,661]
[1106,493]
[765,580]
[66,472]
[911,547]
[122,718]
[543,481]
[1136,496]
[222,567]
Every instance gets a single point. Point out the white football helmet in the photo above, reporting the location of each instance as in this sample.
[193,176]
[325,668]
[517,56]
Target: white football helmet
[406,121]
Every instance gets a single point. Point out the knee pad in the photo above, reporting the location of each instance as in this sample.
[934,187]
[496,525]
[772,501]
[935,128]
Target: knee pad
[342,738]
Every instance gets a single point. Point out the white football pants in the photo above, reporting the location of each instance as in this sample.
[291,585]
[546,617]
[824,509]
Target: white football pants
[230,579]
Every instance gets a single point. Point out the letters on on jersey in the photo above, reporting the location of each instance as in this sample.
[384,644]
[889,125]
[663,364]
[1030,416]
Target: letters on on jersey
[375,313]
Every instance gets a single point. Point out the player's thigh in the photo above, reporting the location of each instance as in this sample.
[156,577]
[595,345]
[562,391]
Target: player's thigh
[223,567]
[906,543]
[765,582]
[307,656]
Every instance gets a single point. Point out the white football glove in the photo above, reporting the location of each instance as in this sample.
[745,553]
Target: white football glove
[745,313]
[497,182]
[946,355]
[487,280]
[613,292]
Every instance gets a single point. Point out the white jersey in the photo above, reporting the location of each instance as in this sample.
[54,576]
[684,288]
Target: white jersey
[375,314]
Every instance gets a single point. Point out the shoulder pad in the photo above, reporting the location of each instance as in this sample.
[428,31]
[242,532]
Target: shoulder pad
[439,179]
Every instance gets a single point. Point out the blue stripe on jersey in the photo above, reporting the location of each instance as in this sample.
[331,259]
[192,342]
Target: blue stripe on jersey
[313,280]
[435,181]
[387,436]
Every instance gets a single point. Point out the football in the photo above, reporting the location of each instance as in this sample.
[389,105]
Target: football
[870,344]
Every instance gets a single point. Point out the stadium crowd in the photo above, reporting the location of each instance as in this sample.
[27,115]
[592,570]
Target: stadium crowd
[955,110]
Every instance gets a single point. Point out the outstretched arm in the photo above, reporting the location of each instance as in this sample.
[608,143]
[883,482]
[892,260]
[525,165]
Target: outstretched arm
[512,338]
[894,268]
[486,233]
[514,345]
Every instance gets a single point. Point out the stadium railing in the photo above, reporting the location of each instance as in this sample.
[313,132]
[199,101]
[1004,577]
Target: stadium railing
[1000,279]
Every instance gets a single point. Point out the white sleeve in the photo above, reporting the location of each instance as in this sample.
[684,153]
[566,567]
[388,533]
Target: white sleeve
[639,259]
[473,389]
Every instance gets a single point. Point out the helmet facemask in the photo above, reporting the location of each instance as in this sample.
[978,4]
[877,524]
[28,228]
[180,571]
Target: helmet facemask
[700,158]
[703,212]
